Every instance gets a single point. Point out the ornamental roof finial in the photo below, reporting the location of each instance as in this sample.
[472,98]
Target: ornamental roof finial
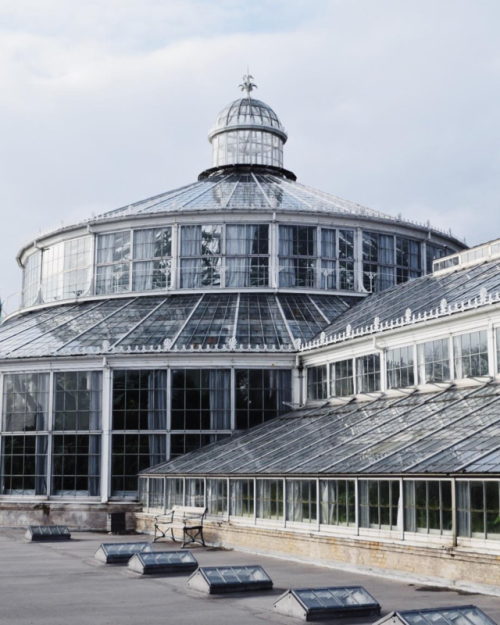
[248,85]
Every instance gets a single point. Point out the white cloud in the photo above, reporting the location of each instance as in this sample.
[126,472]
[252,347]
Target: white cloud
[389,104]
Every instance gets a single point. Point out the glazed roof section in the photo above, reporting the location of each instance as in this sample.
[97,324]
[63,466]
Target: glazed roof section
[452,430]
[246,112]
[239,322]
[419,300]
[247,191]
[244,190]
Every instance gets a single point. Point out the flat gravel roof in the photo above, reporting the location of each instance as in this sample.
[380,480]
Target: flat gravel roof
[56,583]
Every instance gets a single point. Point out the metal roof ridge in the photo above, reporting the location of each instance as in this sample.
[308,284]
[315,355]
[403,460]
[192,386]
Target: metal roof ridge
[139,323]
[272,181]
[229,197]
[52,329]
[207,190]
[37,315]
[129,301]
[181,329]
[261,189]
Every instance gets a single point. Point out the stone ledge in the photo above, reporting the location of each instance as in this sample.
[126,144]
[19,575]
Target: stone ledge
[446,566]
[77,515]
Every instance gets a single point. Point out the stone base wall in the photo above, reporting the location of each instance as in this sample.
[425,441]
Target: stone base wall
[81,516]
[433,561]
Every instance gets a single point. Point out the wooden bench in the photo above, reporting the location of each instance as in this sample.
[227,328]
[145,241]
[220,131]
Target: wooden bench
[189,520]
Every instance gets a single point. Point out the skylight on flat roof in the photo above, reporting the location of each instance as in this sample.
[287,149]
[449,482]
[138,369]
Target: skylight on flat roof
[224,579]
[120,553]
[325,603]
[37,533]
[165,562]
[462,615]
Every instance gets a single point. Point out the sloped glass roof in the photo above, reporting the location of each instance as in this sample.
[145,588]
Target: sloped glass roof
[422,296]
[447,431]
[255,190]
[170,322]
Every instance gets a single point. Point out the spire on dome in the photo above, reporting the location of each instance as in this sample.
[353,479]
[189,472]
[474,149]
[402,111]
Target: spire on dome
[248,85]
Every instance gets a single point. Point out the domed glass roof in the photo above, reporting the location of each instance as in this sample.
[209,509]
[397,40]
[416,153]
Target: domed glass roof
[247,191]
[247,112]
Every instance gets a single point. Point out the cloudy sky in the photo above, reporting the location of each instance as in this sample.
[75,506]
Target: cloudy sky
[393,104]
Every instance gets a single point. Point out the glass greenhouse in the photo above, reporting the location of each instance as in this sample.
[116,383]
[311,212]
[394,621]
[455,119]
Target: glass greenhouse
[175,322]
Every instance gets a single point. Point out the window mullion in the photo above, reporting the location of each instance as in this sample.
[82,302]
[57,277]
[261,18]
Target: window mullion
[454,511]
[130,260]
[336,280]
[2,411]
[106,427]
[319,252]
[356,505]
[451,358]
[169,410]
[401,508]
[50,429]
[223,255]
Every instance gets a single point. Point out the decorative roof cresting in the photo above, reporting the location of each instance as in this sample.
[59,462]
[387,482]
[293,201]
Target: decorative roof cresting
[247,84]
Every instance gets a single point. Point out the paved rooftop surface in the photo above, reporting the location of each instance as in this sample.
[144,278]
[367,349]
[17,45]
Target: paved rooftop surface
[61,583]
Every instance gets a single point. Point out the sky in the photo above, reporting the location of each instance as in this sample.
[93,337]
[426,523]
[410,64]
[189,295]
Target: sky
[393,104]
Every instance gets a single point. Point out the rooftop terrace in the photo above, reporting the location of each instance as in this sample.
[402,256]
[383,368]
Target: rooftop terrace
[48,583]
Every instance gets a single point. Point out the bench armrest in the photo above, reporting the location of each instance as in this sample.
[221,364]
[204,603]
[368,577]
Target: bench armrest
[194,517]
[168,517]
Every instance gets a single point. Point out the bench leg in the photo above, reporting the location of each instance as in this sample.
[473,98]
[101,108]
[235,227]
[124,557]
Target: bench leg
[164,534]
[195,535]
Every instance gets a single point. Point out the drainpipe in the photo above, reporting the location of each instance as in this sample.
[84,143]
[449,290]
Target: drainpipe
[453,512]
[300,370]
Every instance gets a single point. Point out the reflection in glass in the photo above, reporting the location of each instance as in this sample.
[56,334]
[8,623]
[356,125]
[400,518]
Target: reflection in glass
[400,367]
[433,361]
[470,353]
[317,386]
[341,378]
[368,373]
[379,504]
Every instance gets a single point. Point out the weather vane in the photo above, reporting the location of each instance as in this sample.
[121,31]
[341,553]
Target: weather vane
[248,85]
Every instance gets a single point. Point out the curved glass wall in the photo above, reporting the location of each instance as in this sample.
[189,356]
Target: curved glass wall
[223,255]
[31,280]
[217,255]
[134,260]
[67,270]
[389,260]
[247,147]
[432,253]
